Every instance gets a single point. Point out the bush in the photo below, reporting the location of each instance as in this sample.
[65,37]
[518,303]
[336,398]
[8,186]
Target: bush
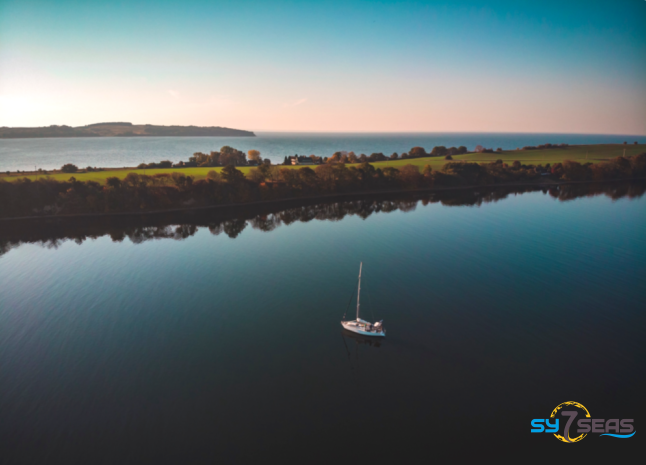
[69,168]
[448,157]
[213,176]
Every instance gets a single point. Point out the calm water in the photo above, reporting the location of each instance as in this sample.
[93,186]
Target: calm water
[193,343]
[25,154]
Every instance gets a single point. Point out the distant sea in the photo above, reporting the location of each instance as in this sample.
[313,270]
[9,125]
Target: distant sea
[27,154]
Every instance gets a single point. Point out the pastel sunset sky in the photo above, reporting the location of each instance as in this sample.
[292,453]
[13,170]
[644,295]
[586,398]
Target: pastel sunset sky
[499,66]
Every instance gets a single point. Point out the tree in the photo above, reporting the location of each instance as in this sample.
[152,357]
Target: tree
[438,151]
[254,155]
[113,182]
[448,157]
[132,179]
[256,175]
[391,173]
[214,158]
[417,152]
[200,159]
[410,175]
[394,156]
[213,176]
[231,156]
[308,177]
[326,174]
[335,158]
[479,148]
[231,174]
[180,180]
[69,168]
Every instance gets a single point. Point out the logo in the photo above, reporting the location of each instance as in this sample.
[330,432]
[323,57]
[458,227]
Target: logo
[577,423]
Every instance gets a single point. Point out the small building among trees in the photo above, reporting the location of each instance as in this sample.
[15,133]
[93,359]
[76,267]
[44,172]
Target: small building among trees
[298,160]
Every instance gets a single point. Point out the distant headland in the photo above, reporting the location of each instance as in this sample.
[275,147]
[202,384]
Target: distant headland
[122,130]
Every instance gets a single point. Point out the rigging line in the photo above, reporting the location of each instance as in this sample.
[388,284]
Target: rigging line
[370,306]
[348,306]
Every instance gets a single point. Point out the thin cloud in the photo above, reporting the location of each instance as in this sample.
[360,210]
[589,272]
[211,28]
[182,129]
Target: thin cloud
[295,104]
[173,93]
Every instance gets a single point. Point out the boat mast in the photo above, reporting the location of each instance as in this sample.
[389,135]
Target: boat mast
[359,290]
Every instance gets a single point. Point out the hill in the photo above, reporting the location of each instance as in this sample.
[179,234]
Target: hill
[122,130]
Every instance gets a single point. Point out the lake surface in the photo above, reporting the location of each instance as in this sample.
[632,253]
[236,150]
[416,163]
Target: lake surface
[220,339]
[26,154]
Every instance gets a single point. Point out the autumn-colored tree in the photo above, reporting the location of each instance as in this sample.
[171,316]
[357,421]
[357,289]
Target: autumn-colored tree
[254,155]
[231,156]
[417,152]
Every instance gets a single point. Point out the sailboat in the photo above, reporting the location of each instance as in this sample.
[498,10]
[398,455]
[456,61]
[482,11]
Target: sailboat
[363,327]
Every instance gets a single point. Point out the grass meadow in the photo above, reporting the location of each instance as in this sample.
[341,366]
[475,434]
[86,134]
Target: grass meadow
[580,153]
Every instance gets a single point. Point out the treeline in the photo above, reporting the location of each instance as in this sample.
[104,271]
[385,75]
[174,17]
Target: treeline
[226,156]
[415,152]
[545,147]
[268,183]
[230,156]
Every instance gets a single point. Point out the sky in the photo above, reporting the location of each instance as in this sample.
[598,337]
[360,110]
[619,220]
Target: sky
[330,66]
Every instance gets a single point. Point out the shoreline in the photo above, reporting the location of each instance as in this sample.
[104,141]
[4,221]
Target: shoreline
[339,196]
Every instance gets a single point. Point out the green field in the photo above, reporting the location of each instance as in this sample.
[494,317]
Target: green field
[580,153]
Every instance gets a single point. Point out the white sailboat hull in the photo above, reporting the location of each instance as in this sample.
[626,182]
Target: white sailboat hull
[361,327]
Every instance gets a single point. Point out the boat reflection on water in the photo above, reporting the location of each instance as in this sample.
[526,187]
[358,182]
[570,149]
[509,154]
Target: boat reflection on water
[351,342]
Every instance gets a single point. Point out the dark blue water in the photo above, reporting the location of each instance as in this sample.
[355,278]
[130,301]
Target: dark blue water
[26,154]
[199,347]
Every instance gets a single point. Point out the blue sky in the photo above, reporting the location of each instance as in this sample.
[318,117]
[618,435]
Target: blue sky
[327,66]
